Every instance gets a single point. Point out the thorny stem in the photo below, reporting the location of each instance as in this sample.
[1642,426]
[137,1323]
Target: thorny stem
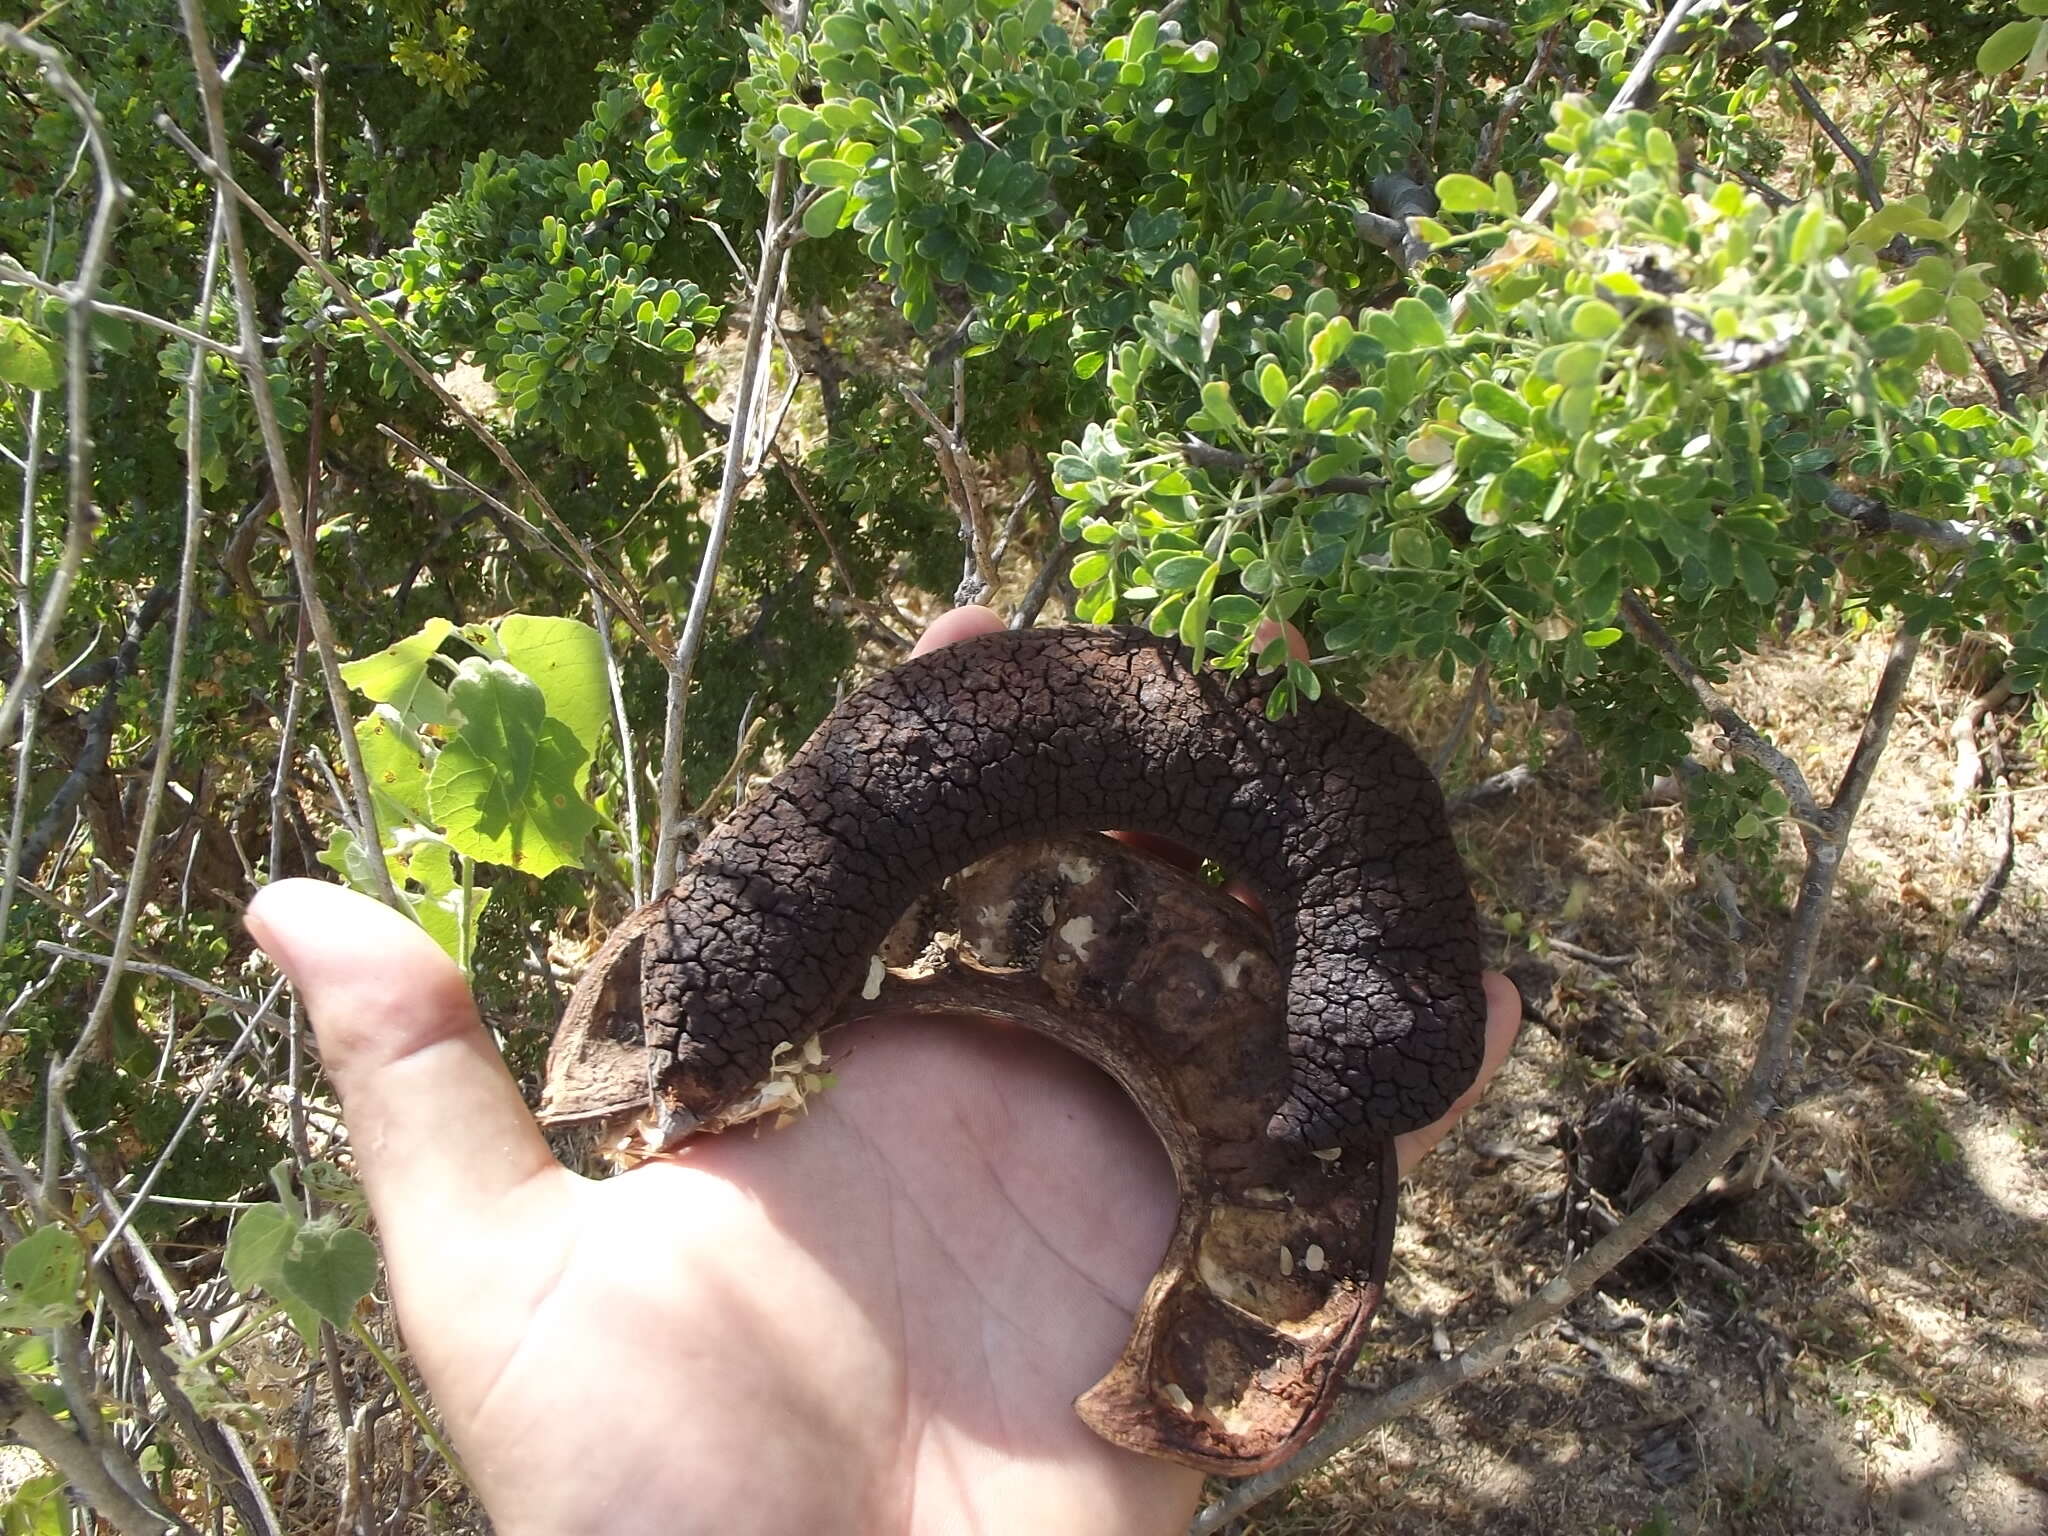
[979,581]
[201,1098]
[1865,177]
[14,275]
[197,984]
[1467,711]
[777,232]
[218,1446]
[1054,566]
[79,293]
[628,770]
[1761,1100]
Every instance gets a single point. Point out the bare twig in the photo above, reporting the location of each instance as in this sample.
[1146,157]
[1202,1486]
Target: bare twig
[1741,736]
[255,377]
[1866,177]
[1455,736]
[14,275]
[593,573]
[1491,26]
[23,1417]
[777,233]
[1873,516]
[82,517]
[1985,902]
[202,1097]
[186,979]
[1054,567]
[54,822]
[24,606]
[1495,787]
[622,728]
[167,719]
[1495,138]
[2003,384]
[979,578]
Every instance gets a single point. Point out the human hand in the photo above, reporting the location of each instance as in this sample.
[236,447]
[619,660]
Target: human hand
[874,1320]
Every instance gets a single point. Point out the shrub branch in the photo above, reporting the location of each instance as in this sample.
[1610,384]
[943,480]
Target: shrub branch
[1761,1100]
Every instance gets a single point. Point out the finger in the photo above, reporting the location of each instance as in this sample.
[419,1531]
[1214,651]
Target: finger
[1268,631]
[955,625]
[439,1130]
[1503,1024]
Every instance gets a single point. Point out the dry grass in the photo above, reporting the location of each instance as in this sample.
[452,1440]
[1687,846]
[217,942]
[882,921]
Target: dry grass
[1858,1345]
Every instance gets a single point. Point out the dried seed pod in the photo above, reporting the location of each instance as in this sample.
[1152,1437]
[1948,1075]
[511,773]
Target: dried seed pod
[773,933]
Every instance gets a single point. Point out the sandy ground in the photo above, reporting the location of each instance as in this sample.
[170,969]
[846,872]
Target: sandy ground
[1859,1342]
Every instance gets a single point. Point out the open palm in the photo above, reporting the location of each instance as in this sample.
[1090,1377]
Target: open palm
[874,1320]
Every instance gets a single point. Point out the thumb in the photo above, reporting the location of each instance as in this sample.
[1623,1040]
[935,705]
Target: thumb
[440,1133]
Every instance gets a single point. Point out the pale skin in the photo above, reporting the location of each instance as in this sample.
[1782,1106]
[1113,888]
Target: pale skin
[875,1320]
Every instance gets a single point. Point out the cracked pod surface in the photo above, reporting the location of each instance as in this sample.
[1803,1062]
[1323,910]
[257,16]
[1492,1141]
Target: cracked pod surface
[775,926]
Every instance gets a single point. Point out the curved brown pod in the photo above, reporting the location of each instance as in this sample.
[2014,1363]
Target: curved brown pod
[1333,820]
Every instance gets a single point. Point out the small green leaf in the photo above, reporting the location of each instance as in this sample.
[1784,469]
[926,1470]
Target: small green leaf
[1600,639]
[827,172]
[40,1506]
[1459,193]
[397,675]
[1090,569]
[1475,420]
[330,1270]
[1421,324]
[1577,363]
[1952,352]
[26,359]
[1411,547]
[1966,317]
[1273,385]
[45,1271]
[1180,573]
[1321,406]
[822,217]
[257,1246]
[2007,46]
[1594,319]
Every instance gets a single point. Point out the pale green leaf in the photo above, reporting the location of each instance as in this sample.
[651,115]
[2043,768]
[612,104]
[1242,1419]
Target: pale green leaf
[26,360]
[565,658]
[505,788]
[822,217]
[395,758]
[46,1271]
[2007,46]
[397,675]
[257,1246]
[330,1270]
[1459,193]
